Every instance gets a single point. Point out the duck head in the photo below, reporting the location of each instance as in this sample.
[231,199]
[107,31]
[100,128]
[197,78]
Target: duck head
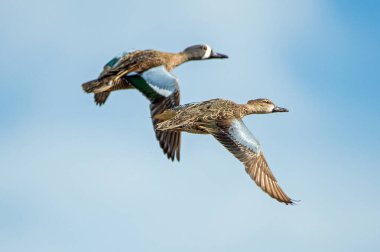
[263,106]
[202,52]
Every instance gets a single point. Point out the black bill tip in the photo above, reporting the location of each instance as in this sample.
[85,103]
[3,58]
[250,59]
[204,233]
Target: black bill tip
[215,55]
[279,109]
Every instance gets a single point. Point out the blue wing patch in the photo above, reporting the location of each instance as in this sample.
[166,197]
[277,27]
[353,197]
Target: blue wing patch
[241,134]
[161,81]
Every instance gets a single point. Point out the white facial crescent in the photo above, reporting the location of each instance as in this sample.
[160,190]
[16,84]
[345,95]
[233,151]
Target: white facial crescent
[207,53]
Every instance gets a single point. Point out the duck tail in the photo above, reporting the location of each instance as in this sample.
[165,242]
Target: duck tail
[92,86]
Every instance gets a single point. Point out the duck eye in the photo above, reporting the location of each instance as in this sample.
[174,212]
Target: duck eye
[203,47]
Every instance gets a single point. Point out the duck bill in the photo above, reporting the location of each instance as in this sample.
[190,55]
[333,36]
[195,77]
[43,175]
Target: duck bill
[215,55]
[279,109]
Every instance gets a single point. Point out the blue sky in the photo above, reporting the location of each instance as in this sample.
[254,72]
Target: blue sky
[76,177]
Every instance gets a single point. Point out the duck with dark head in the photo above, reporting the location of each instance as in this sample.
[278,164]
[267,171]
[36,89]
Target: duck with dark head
[149,71]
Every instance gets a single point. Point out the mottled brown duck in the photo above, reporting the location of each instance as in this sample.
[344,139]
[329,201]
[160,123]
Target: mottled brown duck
[223,120]
[149,71]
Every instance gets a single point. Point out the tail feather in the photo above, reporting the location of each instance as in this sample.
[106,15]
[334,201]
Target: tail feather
[100,98]
[91,86]
[97,86]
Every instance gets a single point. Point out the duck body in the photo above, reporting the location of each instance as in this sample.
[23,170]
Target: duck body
[110,79]
[223,120]
[141,60]
[149,71]
[200,118]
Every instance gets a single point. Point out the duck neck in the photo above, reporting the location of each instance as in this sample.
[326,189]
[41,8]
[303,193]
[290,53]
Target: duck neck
[250,109]
[178,59]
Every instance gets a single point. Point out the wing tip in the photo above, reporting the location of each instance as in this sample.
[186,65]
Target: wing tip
[292,202]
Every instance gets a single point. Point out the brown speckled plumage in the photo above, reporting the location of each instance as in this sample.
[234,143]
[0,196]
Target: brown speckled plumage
[140,61]
[200,117]
[222,119]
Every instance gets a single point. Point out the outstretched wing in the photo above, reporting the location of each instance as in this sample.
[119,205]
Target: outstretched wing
[161,88]
[236,137]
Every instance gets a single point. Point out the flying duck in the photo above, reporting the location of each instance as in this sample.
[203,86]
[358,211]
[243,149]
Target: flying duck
[149,71]
[223,120]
